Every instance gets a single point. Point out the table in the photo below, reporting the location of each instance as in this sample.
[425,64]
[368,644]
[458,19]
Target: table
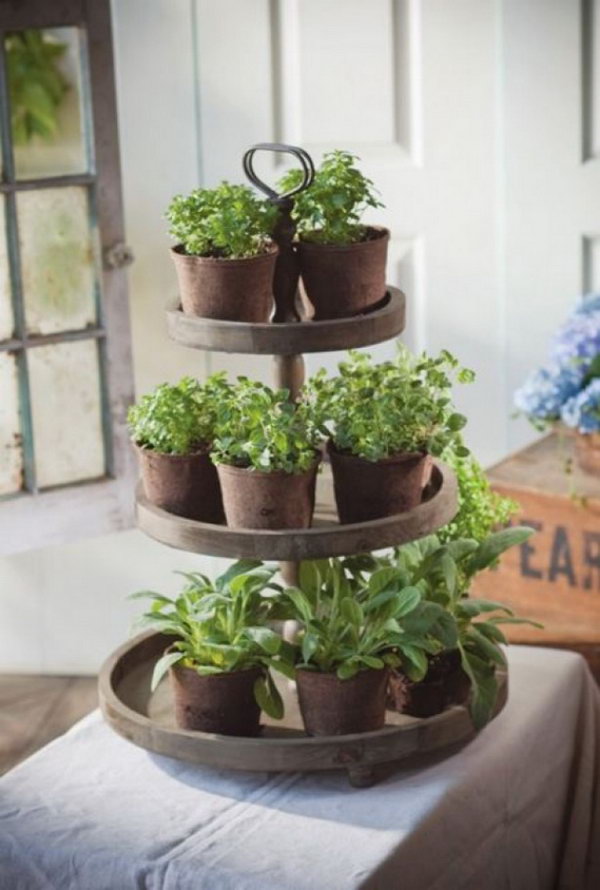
[518,808]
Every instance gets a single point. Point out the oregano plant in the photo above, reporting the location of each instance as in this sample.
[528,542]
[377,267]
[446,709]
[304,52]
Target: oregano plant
[375,411]
[229,222]
[330,210]
[260,428]
[481,510]
[178,418]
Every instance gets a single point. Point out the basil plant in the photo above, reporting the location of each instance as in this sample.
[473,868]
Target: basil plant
[443,573]
[222,626]
[350,624]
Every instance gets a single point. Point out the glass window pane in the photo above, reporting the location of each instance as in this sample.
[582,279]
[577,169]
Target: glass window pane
[67,416]
[11,455]
[45,79]
[57,259]
[6,315]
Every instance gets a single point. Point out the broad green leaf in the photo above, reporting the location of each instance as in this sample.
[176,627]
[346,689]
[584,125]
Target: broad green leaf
[162,666]
[408,600]
[267,697]
[474,606]
[500,619]
[310,644]
[347,669]
[489,550]
[241,567]
[491,631]
[380,579]
[267,639]
[301,603]
[351,611]
[486,648]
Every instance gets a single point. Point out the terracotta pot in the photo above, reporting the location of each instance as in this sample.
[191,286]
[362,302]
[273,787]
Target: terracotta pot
[184,484]
[341,281]
[367,489]
[268,500]
[234,290]
[221,703]
[587,452]
[444,684]
[330,706]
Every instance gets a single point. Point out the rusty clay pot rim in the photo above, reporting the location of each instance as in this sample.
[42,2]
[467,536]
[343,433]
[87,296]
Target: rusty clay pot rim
[381,234]
[401,457]
[222,675]
[252,471]
[331,676]
[203,449]
[266,256]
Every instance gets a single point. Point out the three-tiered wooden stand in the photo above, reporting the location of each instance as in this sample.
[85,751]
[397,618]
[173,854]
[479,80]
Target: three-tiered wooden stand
[147,719]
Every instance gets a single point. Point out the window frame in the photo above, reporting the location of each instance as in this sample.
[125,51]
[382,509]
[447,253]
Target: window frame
[33,518]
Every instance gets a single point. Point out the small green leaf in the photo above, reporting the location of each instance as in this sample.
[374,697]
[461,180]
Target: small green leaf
[268,697]
[162,666]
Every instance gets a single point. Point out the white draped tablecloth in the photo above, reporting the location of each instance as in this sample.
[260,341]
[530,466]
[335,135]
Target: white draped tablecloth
[518,808]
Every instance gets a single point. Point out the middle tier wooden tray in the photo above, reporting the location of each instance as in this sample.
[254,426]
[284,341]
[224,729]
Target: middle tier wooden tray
[382,322]
[326,538]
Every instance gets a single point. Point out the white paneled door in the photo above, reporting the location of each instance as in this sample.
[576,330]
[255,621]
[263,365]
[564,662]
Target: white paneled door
[479,122]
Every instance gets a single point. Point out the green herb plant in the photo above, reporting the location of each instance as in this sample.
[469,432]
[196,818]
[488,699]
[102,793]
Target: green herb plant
[330,209]
[349,627]
[260,428]
[481,510]
[178,418]
[36,84]
[443,573]
[376,411]
[221,627]
[228,222]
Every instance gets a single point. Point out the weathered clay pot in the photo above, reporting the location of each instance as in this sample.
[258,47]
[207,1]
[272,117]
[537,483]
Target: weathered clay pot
[221,703]
[330,706]
[341,281]
[234,290]
[444,684]
[184,484]
[268,500]
[587,452]
[423,699]
[367,489]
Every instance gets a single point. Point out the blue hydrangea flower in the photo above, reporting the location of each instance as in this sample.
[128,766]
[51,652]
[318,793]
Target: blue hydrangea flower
[577,342]
[582,411]
[589,303]
[546,390]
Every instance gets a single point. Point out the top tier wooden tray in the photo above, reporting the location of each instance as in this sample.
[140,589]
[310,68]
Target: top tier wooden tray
[383,322]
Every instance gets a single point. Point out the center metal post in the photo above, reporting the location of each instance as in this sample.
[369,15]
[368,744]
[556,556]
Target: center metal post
[289,369]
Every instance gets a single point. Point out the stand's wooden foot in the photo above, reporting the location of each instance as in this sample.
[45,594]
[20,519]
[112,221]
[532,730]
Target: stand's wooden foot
[362,776]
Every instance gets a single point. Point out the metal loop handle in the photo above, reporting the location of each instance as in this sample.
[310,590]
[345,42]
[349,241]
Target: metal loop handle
[306,162]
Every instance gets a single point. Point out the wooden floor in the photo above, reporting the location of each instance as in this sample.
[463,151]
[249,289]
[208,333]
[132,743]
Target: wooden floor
[36,709]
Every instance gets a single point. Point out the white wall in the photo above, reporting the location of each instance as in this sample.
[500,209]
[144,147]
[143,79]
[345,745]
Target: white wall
[194,90]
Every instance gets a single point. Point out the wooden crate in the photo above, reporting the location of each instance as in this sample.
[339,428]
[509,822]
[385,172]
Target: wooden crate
[555,576]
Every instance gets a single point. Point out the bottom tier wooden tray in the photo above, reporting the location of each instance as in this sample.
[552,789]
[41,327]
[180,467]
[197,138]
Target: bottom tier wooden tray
[147,720]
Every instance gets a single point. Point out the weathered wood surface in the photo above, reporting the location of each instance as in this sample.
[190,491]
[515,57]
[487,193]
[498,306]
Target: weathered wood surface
[554,577]
[147,720]
[291,338]
[325,538]
[36,708]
